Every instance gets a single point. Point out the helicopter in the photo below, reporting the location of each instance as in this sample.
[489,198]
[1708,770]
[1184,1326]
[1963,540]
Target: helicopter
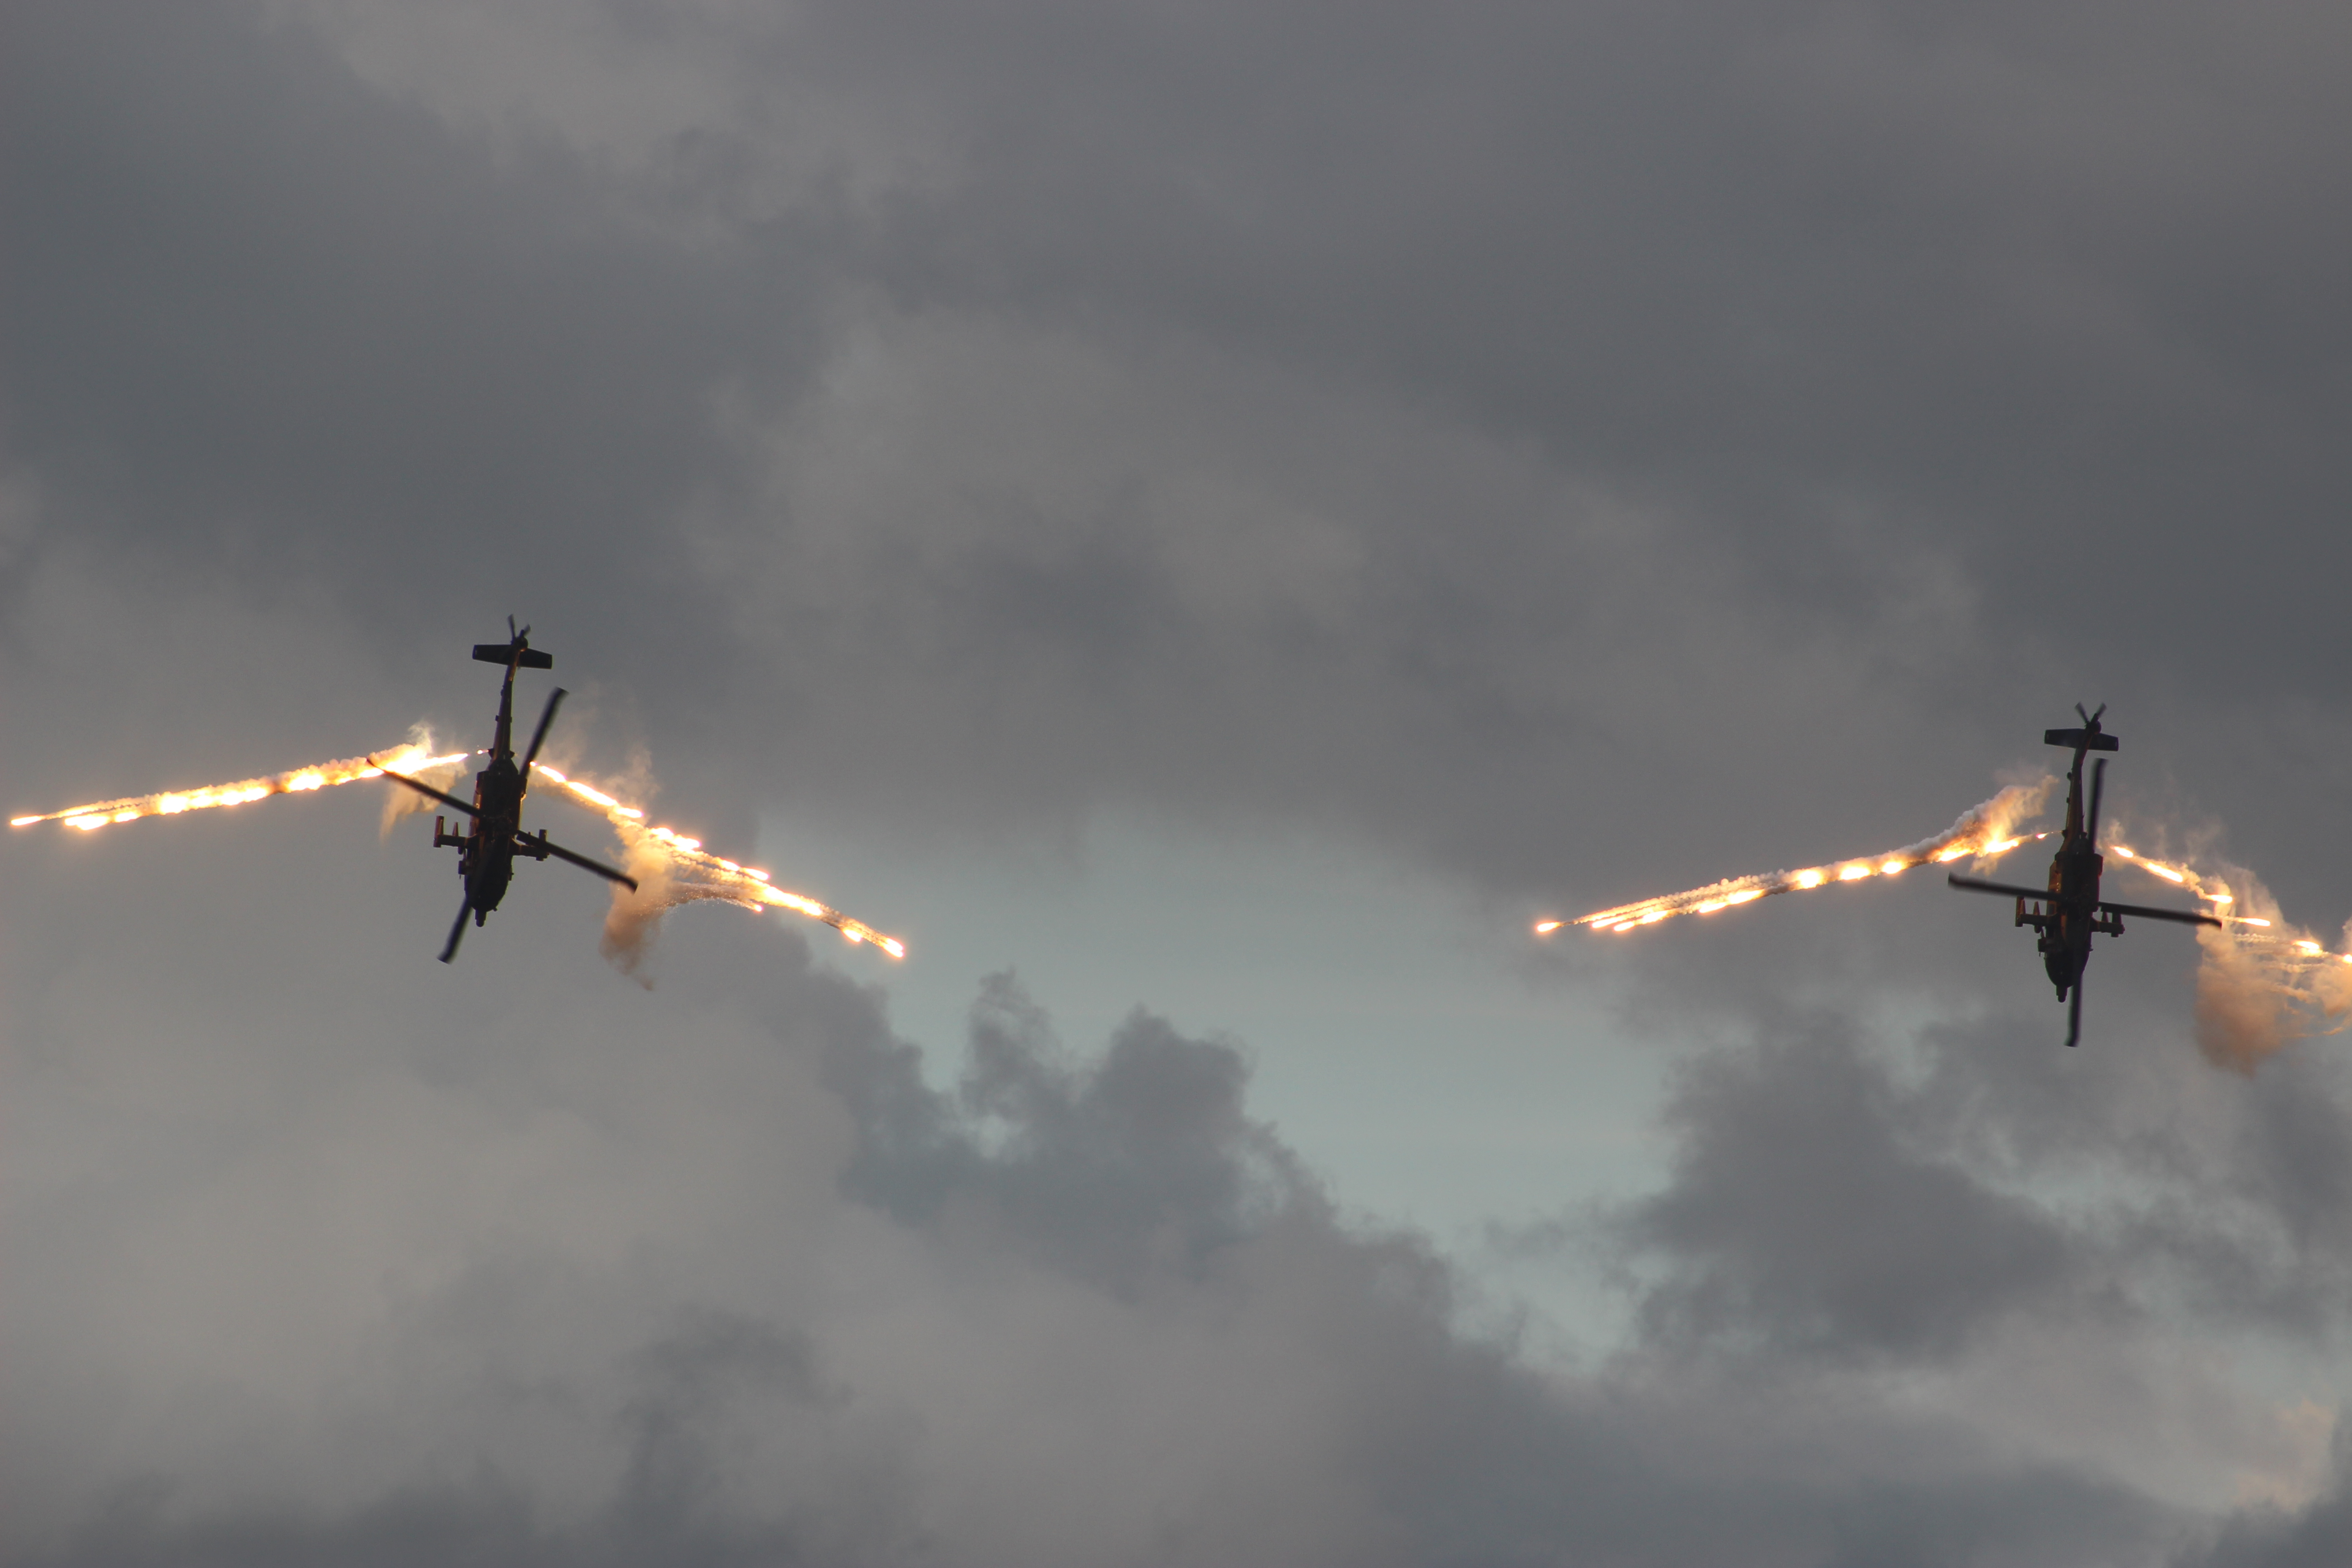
[485,853]
[2073,911]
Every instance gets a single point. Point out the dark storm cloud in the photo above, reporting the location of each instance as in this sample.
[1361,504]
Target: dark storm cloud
[1591,449]
[1763,373]
[1827,1200]
[1900,266]
[1145,1162]
[259,315]
[1802,1220]
[2234,1187]
[1943,356]
[2274,1538]
[1320,1406]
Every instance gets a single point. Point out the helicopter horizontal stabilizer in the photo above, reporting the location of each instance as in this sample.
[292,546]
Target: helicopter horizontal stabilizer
[2049,737]
[501,653]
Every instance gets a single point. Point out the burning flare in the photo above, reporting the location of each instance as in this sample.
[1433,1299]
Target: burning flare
[691,871]
[412,758]
[2263,982]
[696,873]
[1983,831]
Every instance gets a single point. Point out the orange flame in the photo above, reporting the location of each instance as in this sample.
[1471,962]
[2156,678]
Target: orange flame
[744,886]
[747,887]
[410,758]
[2269,980]
[1982,831]
[2288,956]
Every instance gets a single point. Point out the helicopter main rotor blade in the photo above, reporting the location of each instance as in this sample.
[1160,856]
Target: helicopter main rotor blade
[2148,911]
[533,843]
[423,788]
[1976,885]
[457,930]
[546,717]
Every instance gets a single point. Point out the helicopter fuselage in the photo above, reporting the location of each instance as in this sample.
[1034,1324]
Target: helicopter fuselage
[2073,916]
[488,846]
[2067,912]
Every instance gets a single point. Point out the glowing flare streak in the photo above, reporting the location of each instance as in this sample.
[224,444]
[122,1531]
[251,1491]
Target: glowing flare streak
[173,803]
[1983,832]
[746,886]
[2291,958]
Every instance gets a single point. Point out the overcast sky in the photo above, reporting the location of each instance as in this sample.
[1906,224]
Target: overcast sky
[1206,519]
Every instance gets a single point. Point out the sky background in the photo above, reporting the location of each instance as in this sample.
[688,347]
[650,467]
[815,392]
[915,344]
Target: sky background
[1206,520]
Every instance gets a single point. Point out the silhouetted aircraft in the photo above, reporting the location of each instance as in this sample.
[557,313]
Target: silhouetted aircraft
[486,856]
[2074,910]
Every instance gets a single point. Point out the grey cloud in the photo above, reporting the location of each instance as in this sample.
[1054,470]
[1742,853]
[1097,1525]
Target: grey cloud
[1663,363]
[2272,1537]
[1798,1216]
[1584,451]
[1962,345]
[1828,1199]
[2235,1186]
[688,1380]
[258,314]
[1301,1385]
[1900,256]
[481,1525]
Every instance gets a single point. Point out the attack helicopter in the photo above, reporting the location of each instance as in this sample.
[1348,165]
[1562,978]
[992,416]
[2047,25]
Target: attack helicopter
[2068,913]
[485,853]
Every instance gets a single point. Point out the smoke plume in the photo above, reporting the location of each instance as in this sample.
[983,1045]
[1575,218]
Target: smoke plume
[2240,1007]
